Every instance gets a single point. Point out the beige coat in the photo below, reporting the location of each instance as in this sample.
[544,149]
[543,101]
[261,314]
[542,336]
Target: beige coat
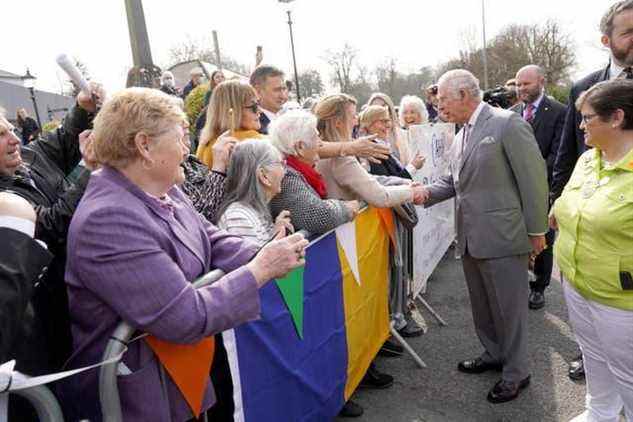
[346,179]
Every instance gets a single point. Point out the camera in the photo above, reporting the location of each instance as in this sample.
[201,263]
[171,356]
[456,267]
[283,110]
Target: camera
[498,97]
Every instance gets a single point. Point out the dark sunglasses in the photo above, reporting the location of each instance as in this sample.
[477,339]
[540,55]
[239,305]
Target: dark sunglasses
[253,107]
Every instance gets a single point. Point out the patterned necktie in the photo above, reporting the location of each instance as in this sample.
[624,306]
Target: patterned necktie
[529,113]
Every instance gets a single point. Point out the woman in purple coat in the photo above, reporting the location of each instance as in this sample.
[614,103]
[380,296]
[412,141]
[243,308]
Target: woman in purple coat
[134,246]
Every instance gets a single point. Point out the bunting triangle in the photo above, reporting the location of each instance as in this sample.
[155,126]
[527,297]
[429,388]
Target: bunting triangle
[386,218]
[188,365]
[291,289]
[346,235]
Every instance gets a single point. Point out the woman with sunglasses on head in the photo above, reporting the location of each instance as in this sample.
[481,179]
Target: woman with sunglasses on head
[233,107]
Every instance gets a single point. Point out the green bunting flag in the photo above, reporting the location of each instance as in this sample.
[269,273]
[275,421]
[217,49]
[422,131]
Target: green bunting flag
[291,288]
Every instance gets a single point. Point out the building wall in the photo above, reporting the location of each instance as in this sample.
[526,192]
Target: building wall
[13,97]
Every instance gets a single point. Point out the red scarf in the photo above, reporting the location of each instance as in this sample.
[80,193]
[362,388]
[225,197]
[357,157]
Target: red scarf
[313,177]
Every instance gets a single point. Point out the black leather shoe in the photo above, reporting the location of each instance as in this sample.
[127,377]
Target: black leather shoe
[351,410]
[391,349]
[536,300]
[412,329]
[577,369]
[477,366]
[375,379]
[504,391]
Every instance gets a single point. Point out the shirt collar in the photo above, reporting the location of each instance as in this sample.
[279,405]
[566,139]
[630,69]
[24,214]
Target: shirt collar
[475,115]
[625,163]
[615,70]
[538,101]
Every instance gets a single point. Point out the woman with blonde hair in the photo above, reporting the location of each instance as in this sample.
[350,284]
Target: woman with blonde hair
[234,107]
[344,176]
[412,111]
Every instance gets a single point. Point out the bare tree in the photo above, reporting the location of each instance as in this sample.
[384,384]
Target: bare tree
[201,49]
[310,83]
[546,45]
[342,62]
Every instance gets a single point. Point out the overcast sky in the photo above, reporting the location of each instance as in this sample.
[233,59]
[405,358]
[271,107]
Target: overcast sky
[417,33]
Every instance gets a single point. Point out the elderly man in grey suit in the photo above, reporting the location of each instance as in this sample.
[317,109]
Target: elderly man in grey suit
[499,180]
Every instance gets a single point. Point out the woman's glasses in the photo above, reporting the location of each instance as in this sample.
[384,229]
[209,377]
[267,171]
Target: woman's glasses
[254,108]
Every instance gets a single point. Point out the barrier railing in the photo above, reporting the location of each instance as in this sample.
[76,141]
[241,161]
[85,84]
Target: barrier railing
[123,334]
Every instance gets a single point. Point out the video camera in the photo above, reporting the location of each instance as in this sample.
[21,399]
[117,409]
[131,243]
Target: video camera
[498,97]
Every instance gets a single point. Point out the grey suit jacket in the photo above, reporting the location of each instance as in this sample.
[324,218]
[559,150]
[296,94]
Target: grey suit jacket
[501,188]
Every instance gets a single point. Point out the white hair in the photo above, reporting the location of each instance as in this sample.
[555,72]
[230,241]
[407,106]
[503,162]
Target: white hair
[417,104]
[460,79]
[166,74]
[291,127]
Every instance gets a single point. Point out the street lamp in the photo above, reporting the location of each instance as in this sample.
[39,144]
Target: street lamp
[29,83]
[292,46]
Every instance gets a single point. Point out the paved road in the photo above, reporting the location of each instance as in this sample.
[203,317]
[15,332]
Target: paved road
[440,393]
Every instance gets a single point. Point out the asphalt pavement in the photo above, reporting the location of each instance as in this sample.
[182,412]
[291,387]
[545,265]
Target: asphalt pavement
[440,393]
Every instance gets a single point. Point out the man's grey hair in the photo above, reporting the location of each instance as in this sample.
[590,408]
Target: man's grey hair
[417,104]
[242,183]
[606,23]
[460,79]
[290,128]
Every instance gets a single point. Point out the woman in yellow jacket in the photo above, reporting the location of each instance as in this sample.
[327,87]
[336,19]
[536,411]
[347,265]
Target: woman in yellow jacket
[233,107]
[594,249]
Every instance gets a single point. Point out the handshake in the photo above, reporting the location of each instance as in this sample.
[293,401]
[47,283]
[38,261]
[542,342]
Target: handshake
[420,193]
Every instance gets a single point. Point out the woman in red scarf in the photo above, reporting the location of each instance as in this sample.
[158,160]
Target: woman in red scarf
[303,190]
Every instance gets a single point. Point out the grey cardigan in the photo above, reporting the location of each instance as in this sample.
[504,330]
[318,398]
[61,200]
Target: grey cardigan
[307,210]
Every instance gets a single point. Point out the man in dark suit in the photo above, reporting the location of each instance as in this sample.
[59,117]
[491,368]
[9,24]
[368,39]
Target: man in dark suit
[616,27]
[269,83]
[546,116]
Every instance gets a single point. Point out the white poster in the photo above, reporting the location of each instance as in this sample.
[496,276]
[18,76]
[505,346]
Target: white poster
[435,230]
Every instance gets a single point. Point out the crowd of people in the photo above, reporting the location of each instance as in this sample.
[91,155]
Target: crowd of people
[112,215]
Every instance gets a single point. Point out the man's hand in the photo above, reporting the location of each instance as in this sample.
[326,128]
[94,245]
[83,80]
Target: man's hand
[92,102]
[538,243]
[420,194]
[365,147]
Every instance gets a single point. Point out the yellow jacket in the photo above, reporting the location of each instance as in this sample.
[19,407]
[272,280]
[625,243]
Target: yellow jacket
[205,153]
[594,249]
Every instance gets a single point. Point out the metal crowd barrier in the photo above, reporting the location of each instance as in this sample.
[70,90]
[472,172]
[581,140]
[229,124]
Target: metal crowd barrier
[44,402]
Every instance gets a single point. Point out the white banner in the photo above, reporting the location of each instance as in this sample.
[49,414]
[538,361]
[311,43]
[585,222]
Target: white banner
[435,230]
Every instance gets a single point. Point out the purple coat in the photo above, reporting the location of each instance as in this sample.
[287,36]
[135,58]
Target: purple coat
[131,257]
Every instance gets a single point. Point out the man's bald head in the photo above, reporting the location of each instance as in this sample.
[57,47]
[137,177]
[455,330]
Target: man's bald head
[532,70]
[530,83]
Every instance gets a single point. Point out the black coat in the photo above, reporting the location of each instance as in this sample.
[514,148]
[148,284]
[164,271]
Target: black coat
[264,121]
[29,129]
[548,123]
[44,181]
[23,262]
[572,143]
[169,90]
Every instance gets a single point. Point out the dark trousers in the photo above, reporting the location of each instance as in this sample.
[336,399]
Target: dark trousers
[543,264]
